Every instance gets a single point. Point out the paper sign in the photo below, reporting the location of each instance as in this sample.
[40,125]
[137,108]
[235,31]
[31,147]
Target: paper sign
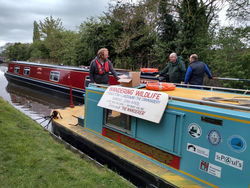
[144,104]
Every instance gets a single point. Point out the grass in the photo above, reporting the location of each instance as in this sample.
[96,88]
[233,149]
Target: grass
[30,157]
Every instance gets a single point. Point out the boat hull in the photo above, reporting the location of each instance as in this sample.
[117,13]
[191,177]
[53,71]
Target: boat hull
[136,175]
[45,86]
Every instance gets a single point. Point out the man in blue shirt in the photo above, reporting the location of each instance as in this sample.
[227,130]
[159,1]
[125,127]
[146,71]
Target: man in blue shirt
[196,70]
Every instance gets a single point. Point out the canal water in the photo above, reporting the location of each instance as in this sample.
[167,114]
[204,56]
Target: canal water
[35,104]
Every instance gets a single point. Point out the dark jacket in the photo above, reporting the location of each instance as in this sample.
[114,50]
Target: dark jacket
[176,71]
[195,73]
[96,77]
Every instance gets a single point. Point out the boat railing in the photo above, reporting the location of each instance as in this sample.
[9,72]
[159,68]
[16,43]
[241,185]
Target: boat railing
[210,103]
[245,106]
[214,88]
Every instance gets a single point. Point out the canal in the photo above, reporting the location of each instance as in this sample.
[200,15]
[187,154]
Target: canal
[35,104]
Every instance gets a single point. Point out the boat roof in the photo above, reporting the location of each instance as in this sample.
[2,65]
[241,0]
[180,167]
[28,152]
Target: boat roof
[80,68]
[84,69]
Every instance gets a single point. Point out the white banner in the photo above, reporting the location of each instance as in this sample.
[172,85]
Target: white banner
[144,104]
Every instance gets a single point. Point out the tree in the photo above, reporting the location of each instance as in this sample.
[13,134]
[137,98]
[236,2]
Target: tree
[36,32]
[167,30]
[92,37]
[67,53]
[134,46]
[239,10]
[18,51]
[231,55]
[51,33]
[195,18]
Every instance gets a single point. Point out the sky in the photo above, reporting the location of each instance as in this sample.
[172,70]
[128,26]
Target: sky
[17,16]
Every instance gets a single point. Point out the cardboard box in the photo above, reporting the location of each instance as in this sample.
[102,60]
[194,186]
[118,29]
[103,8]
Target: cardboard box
[132,81]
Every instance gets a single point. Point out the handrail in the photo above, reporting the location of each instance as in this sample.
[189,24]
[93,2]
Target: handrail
[210,103]
[213,88]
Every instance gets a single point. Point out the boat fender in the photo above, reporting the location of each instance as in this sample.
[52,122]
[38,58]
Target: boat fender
[149,70]
[160,86]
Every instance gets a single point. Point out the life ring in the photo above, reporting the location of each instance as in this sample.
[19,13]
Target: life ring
[149,70]
[159,86]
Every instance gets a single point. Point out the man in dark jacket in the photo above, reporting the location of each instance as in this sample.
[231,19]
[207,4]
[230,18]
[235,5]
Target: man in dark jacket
[175,69]
[196,70]
[100,68]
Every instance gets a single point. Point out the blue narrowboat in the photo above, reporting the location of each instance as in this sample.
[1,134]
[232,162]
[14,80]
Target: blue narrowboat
[190,138]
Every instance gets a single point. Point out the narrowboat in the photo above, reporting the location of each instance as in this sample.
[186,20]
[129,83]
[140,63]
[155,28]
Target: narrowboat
[60,79]
[185,137]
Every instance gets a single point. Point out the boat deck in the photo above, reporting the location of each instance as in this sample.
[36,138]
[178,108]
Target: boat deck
[69,121]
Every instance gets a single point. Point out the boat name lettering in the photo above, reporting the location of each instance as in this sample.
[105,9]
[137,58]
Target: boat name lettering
[122,90]
[149,95]
[141,112]
[139,93]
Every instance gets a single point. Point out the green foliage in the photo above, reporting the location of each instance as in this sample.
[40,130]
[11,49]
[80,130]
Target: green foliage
[167,30]
[67,53]
[92,38]
[36,32]
[232,55]
[18,51]
[38,51]
[195,21]
[51,33]
[134,46]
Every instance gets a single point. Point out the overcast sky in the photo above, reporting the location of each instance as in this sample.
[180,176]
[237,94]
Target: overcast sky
[17,16]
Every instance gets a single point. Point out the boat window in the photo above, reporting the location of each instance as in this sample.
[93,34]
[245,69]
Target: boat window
[26,71]
[17,68]
[118,121]
[54,76]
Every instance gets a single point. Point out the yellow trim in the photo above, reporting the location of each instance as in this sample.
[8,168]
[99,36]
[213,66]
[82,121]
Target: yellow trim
[96,92]
[197,178]
[213,115]
[94,131]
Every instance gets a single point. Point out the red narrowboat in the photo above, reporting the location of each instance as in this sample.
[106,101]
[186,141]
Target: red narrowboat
[57,78]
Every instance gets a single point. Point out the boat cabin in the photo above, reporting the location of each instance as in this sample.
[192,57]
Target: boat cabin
[203,140]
